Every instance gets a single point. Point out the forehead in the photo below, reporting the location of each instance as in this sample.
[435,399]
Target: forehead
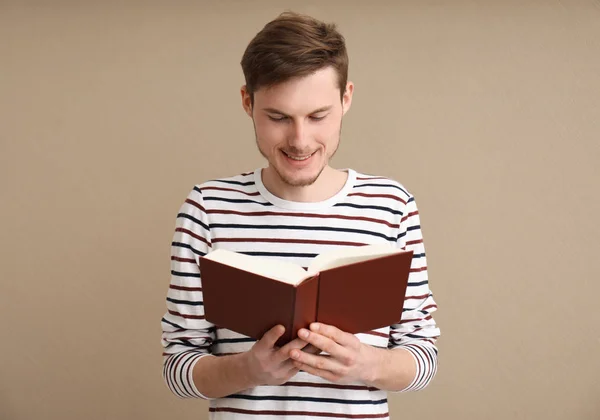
[301,94]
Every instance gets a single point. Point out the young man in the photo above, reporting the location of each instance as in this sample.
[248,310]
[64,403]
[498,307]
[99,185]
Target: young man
[296,207]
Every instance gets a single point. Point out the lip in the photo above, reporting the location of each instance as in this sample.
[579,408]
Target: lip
[298,163]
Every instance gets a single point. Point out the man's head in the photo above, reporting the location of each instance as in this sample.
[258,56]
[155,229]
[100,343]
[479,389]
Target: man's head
[291,46]
[296,92]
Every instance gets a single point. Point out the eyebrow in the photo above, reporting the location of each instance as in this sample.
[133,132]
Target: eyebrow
[316,111]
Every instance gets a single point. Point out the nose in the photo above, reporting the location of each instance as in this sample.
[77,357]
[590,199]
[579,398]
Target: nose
[298,136]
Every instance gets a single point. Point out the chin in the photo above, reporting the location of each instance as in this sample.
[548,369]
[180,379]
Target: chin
[299,179]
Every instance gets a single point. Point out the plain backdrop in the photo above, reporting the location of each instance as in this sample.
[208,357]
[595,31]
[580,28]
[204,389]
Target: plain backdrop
[487,111]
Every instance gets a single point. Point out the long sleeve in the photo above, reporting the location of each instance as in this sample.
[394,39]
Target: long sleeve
[186,335]
[417,332]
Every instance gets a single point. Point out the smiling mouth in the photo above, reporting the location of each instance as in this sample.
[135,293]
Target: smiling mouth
[299,158]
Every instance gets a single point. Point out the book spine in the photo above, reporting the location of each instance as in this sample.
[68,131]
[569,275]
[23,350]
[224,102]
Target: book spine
[305,304]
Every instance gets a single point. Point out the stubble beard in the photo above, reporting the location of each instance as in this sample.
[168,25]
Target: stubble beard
[298,182]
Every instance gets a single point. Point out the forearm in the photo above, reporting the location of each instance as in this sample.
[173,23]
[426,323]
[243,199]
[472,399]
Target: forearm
[219,376]
[393,370]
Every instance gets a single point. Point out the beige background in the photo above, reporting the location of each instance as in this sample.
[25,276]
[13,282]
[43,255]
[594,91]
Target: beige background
[487,111]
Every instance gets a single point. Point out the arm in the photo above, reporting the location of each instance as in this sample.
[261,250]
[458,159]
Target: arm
[189,368]
[410,362]
[417,333]
[186,335]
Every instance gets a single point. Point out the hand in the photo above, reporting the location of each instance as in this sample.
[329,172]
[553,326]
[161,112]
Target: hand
[271,365]
[348,361]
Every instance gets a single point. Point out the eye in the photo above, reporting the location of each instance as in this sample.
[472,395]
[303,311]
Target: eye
[317,118]
[277,119]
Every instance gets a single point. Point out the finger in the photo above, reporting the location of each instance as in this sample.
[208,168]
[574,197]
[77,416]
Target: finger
[325,374]
[324,343]
[284,352]
[269,339]
[342,338]
[290,367]
[311,349]
[319,362]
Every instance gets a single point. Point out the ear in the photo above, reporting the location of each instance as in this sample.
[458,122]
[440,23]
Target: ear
[347,98]
[246,100]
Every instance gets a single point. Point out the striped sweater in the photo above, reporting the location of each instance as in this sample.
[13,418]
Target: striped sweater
[240,214]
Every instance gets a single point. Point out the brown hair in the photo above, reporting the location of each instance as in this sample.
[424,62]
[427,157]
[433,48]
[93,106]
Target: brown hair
[293,45]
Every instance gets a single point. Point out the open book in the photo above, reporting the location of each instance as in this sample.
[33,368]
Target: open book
[356,289]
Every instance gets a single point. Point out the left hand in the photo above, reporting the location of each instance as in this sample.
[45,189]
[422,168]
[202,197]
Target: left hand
[348,359]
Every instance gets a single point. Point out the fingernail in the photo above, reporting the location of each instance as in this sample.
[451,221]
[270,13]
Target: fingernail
[314,327]
[303,333]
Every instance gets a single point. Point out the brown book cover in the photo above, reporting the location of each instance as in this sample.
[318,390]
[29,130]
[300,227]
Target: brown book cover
[357,297]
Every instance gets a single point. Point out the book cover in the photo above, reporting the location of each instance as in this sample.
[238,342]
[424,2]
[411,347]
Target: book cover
[355,297]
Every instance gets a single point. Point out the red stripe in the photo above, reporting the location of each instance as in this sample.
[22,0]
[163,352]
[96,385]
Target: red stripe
[193,203]
[377,334]
[186,315]
[429,307]
[292,241]
[416,241]
[193,235]
[416,297]
[416,270]
[393,197]
[307,215]
[187,289]
[187,260]
[297,413]
[230,189]
[412,213]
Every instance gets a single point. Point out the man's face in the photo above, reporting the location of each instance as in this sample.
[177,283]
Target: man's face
[297,125]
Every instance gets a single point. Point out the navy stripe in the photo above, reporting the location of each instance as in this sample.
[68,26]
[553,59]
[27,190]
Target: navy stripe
[383,186]
[419,255]
[184,344]
[196,347]
[234,340]
[187,246]
[311,399]
[358,206]
[235,200]
[417,283]
[193,219]
[186,302]
[415,336]
[279,254]
[181,274]
[415,227]
[182,372]
[292,227]
[233,182]
[172,324]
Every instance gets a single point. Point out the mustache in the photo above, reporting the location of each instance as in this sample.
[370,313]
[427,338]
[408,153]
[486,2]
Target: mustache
[296,152]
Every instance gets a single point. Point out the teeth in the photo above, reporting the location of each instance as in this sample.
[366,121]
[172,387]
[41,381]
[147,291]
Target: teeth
[299,157]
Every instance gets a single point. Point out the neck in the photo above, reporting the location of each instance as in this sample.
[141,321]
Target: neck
[328,184]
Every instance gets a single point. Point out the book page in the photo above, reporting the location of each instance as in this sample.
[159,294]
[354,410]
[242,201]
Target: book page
[277,270]
[345,256]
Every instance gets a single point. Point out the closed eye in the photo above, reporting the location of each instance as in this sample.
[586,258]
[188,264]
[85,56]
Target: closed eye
[277,119]
[315,118]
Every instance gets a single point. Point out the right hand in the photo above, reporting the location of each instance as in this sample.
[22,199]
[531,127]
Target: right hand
[271,365]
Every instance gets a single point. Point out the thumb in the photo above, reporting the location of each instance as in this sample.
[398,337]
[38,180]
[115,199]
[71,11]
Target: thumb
[269,339]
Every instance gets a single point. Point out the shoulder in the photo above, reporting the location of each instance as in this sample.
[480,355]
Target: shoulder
[242,183]
[377,184]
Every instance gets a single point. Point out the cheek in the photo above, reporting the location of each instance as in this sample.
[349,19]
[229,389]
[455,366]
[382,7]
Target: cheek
[267,135]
